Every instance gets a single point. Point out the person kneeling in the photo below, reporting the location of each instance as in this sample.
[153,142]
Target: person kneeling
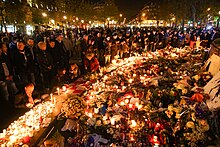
[25,99]
[91,63]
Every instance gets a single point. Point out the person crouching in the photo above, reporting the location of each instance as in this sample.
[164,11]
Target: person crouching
[91,63]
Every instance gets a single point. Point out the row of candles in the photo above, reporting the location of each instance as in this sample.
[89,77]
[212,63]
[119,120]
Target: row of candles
[20,131]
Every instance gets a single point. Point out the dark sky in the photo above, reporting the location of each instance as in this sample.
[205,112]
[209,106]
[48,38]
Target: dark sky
[130,7]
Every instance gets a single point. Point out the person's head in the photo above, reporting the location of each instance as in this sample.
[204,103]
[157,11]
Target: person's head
[74,66]
[89,53]
[29,88]
[59,37]
[5,40]
[61,71]
[99,34]
[108,38]
[52,43]
[89,56]
[30,42]
[86,37]
[42,45]
[20,45]
[14,40]
[3,47]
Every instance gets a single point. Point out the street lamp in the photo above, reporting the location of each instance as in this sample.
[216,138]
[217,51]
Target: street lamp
[52,21]
[108,21]
[64,17]
[44,14]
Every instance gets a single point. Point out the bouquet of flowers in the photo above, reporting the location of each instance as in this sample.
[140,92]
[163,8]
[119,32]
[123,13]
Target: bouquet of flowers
[73,108]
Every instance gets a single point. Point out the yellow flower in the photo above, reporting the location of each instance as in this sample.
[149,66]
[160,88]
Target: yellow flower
[196,77]
[193,116]
[170,108]
[169,113]
[190,124]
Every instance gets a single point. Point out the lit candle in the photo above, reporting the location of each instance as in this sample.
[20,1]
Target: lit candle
[51,97]
[90,115]
[127,101]
[96,110]
[133,124]
[139,107]
[58,90]
[156,141]
[132,137]
[64,88]
[122,103]
[112,120]
[113,61]
[130,80]
[130,105]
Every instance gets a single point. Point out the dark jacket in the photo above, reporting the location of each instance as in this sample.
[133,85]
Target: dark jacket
[22,62]
[4,60]
[45,61]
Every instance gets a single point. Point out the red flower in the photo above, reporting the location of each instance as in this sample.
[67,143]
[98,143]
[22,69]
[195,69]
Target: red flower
[198,97]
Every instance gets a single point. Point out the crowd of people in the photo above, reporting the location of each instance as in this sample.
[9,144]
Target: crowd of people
[49,59]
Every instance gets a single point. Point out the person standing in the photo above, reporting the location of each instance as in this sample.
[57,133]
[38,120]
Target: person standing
[60,52]
[22,65]
[99,45]
[46,65]
[32,52]
[8,88]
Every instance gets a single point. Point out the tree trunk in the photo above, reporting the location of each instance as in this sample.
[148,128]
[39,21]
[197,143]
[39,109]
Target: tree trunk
[194,15]
[183,22]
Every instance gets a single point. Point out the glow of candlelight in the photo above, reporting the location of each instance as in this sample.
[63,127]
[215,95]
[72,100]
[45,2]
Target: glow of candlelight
[96,110]
[130,105]
[51,96]
[113,61]
[133,124]
[90,115]
[127,101]
[112,120]
[58,90]
[132,137]
[155,140]
[64,88]
[122,103]
[139,107]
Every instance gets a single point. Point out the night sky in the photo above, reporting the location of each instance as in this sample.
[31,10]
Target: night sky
[128,8]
